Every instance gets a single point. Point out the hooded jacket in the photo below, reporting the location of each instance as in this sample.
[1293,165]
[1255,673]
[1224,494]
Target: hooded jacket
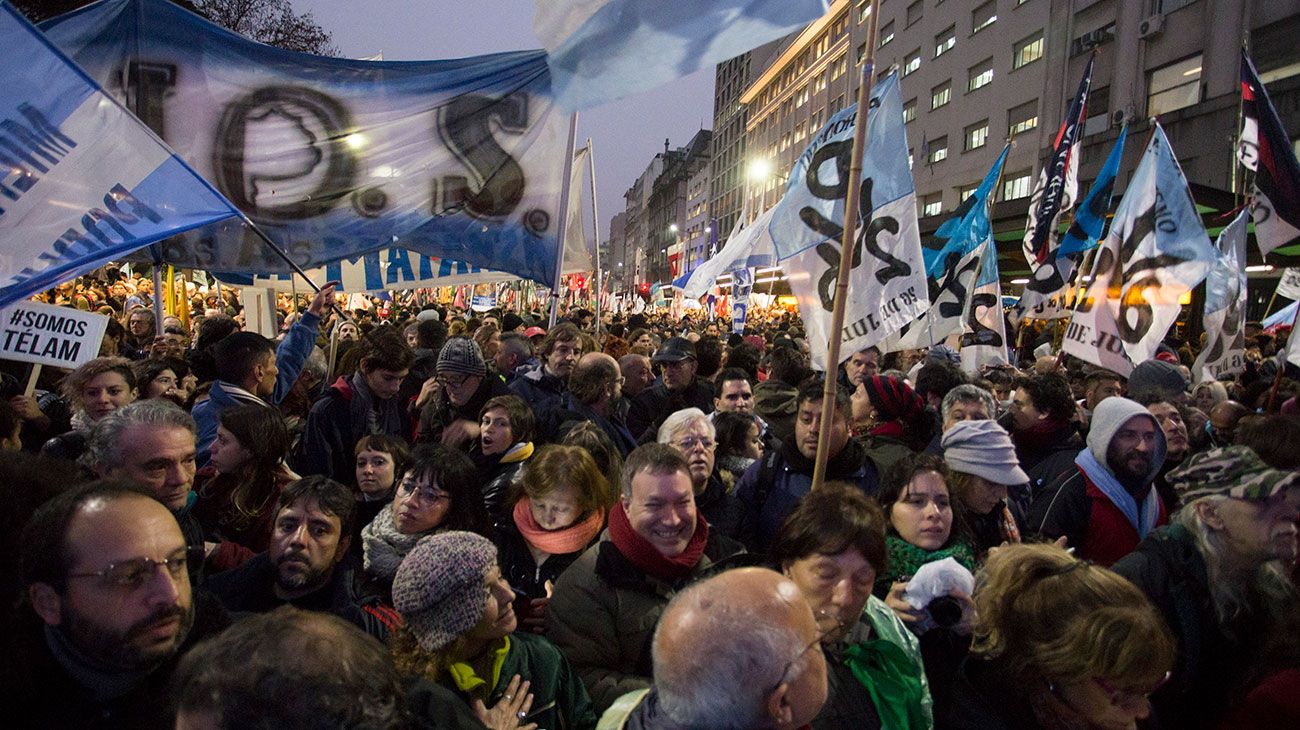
[1078,508]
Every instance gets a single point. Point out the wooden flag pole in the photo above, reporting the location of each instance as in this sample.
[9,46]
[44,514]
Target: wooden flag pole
[562,230]
[847,247]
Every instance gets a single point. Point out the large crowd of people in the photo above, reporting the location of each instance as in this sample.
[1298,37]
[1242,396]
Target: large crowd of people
[414,515]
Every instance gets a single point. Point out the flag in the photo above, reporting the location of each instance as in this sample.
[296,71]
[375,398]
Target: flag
[576,255]
[742,283]
[1225,307]
[967,228]
[948,299]
[1090,220]
[1283,316]
[1058,182]
[1289,285]
[887,288]
[83,180]
[1266,149]
[748,246]
[984,338]
[601,50]
[1093,334]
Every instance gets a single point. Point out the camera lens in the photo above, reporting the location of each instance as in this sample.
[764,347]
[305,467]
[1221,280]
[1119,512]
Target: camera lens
[945,611]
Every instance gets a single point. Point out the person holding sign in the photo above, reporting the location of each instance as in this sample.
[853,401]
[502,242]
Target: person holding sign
[94,390]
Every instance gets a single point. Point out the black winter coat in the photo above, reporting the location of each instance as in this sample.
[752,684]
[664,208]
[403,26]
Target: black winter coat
[654,404]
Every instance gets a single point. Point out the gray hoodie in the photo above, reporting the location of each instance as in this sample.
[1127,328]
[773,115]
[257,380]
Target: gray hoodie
[1109,415]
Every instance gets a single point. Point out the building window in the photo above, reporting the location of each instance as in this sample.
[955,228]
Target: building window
[1175,86]
[977,135]
[945,41]
[938,150]
[931,205]
[862,54]
[801,97]
[983,16]
[1023,118]
[839,66]
[1098,111]
[940,95]
[864,11]
[886,33]
[837,105]
[1028,51]
[909,111]
[800,132]
[819,83]
[966,191]
[909,158]
[815,121]
[914,12]
[980,75]
[1016,185]
[913,62]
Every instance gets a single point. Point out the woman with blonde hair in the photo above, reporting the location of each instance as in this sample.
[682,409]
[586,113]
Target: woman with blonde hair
[95,389]
[1059,644]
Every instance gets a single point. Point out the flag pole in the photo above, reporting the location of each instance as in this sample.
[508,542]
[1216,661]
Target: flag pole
[562,230]
[847,248]
[595,220]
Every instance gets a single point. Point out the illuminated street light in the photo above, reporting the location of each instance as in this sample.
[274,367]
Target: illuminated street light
[760,169]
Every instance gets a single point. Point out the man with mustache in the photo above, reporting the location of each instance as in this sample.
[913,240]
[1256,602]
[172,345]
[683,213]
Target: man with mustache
[107,611]
[304,566]
[1108,503]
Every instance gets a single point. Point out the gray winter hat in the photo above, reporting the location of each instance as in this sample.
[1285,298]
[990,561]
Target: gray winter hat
[983,448]
[461,355]
[439,587]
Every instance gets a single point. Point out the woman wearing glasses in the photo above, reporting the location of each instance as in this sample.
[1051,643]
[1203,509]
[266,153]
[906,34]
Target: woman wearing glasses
[833,546]
[1059,644]
[439,492]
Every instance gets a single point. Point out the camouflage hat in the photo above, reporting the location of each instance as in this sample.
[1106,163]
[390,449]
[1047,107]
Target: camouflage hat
[1232,471]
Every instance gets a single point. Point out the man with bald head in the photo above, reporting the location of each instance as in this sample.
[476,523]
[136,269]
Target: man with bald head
[712,669]
[1223,422]
[639,374]
[108,610]
[596,395]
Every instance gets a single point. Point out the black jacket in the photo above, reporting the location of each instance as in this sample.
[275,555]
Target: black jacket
[985,698]
[654,404]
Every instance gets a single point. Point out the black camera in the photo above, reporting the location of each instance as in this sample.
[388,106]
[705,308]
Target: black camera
[945,612]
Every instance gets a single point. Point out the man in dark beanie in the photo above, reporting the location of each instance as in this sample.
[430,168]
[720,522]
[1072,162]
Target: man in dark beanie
[450,403]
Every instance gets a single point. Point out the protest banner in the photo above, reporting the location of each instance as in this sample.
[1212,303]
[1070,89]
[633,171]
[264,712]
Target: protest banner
[1225,307]
[44,334]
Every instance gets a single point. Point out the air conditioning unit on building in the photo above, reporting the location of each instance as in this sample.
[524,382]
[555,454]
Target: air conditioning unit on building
[1151,26]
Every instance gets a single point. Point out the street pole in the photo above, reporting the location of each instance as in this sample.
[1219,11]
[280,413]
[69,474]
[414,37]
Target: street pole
[847,244]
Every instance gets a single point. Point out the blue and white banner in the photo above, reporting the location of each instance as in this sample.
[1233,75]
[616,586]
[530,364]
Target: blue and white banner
[966,229]
[949,298]
[81,180]
[1090,219]
[1225,306]
[887,288]
[601,50]
[984,336]
[742,283]
[334,158]
[748,246]
[389,268]
[1093,333]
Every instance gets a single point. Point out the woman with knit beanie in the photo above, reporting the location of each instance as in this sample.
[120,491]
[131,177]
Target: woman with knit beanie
[460,632]
[898,423]
[984,466]
[439,492]
[558,514]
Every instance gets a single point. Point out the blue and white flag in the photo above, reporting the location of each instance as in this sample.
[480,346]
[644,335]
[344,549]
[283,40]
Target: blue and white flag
[1090,219]
[887,288]
[984,337]
[1225,306]
[742,283]
[949,297]
[1058,183]
[334,158]
[747,247]
[82,181]
[601,50]
[966,229]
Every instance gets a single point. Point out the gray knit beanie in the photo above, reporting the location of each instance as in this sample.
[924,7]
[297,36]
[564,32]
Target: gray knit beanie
[983,448]
[461,355]
[1156,376]
[439,587]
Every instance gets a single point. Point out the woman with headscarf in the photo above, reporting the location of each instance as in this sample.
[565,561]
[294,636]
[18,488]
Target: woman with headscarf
[898,423]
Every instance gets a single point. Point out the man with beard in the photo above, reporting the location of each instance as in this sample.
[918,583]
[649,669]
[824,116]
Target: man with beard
[108,609]
[304,567]
[596,395]
[773,486]
[1109,503]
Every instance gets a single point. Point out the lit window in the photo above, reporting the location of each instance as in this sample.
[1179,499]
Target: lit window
[977,135]
[886,33]
[1175,86]
[862,54]
[1016,186]
[864,11]
[1028,51]
[938,150]
[966,191]
[913,63]
[984,16]
[909,111]
[940,95]
[980,76]
[931,205]
[1022,118]
[945,41]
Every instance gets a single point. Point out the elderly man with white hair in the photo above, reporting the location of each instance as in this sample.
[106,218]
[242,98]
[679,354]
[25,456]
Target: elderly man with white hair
[691,432]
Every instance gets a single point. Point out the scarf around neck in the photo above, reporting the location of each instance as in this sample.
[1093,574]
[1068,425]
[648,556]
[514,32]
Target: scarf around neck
[1142,517]
[383,547]
[563,541]
[646,557]
[905,558]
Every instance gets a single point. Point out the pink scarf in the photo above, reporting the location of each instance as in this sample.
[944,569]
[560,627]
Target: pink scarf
[565,540]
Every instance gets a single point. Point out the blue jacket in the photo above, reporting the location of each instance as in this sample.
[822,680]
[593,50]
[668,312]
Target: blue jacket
[541,391]
[289,358]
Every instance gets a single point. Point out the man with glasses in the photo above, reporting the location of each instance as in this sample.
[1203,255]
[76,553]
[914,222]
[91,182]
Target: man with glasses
[596,395]
[711,669]
[691,432]
[108,609]
[678,388]
[451,401]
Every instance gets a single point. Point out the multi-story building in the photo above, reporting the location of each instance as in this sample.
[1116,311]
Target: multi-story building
[614,254]
[657,226]
[728,168]
[636,229]
[698,231]
[977,73]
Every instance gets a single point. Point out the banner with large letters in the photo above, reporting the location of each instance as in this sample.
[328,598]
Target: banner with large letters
[984,336]
[334,158]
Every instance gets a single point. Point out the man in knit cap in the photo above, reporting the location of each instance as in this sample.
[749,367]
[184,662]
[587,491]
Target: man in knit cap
[985,468]
[1219,575]
[451,401]
[1160,377]
[1109,503]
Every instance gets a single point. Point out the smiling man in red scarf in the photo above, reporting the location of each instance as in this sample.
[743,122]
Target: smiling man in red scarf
[606,605]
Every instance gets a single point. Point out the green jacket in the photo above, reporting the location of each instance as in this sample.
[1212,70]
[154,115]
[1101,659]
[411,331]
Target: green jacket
[560,701]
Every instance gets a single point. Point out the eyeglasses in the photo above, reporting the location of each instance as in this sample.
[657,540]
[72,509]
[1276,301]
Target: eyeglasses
[1123,697]
[453,382]
[824,617]
[136,572]
[426,494]
[703,442]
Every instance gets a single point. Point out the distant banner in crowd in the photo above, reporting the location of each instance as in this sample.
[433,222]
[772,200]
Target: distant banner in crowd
[1267,150]
[984,336]
[1225,307]
[742,283]
[601,50]
[60,337]
[887,288]
[81,180]
[333,158]
[390,268]
[1289,285]
[748,246]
